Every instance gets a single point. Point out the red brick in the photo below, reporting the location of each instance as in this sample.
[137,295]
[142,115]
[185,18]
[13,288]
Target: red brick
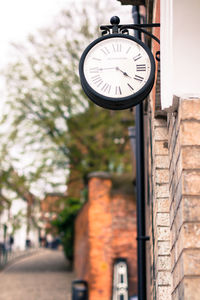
[111,222]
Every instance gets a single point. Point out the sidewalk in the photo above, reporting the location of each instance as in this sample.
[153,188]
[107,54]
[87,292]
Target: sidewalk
[43,275]
[9,257]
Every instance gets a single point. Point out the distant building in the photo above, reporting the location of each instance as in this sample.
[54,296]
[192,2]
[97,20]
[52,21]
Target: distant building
[17,221]
[51,205]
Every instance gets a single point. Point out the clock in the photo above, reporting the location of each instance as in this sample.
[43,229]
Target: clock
[117,71]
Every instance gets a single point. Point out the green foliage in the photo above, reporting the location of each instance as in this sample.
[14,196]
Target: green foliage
[49,115]
[49,126]
[65,225]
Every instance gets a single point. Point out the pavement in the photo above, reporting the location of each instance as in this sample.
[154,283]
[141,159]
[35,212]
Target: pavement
[10,257]
[45,275]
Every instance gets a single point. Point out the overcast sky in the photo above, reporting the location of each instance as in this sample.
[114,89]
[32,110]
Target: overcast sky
[19,18]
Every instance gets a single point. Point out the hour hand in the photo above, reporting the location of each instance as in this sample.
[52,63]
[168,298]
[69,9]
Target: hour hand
[111,68]
[124,73]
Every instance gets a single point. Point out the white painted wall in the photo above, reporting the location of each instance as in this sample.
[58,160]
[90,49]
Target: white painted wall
[180,50]
[20,234]
[20,238]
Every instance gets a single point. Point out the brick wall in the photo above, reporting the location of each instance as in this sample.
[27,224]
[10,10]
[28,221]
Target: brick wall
[100,221]
[110,216]
[156,105]
[161,210]
[157,209]
[123,211]
[184,154]
[173,203]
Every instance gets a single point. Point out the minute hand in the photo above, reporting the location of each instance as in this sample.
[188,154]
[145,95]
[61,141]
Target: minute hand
[124,73]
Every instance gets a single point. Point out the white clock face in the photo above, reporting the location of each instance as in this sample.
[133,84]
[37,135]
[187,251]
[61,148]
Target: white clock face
[117,67]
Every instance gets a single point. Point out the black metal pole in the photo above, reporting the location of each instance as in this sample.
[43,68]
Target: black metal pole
[140,186]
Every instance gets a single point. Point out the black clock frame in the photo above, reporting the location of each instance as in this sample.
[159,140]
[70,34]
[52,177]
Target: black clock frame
[123,102]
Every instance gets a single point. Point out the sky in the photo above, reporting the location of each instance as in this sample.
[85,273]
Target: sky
[20,18]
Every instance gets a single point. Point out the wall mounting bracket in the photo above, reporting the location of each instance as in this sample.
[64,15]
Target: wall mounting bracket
[115,27]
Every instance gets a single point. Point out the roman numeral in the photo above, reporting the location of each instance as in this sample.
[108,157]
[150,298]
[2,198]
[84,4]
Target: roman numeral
[137,57]
[97,79]
[99,82]
[106,88]
[130,87]
[128,50]
[105,50]
[117,47]
[139,78]
[141,68]
[94,70]
[118,90]
[95,58]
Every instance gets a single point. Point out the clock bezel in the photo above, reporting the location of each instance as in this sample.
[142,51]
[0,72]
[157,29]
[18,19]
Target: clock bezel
[121,102]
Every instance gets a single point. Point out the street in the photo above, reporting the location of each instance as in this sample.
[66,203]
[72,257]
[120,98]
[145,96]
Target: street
[42,276]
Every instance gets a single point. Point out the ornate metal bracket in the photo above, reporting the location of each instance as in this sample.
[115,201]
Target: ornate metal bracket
[124,29]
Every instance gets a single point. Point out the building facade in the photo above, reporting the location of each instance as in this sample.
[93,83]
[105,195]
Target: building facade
[172,152]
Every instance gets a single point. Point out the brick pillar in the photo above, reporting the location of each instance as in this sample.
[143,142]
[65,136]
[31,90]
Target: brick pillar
[124,234]
[157,210]
[162,262]
[100,232]
[184,153]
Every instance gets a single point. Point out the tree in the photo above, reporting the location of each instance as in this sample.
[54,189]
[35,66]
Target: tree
[52,130]
[65,225]
[10,180]
[50,117]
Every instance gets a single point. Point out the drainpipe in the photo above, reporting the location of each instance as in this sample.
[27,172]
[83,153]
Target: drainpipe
[140,185]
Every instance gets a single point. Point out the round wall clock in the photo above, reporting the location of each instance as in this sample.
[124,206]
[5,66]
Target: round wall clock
[117,71]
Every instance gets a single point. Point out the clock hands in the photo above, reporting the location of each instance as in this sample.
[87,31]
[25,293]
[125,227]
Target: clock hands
[124,73]
[115,68]
[101,69]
